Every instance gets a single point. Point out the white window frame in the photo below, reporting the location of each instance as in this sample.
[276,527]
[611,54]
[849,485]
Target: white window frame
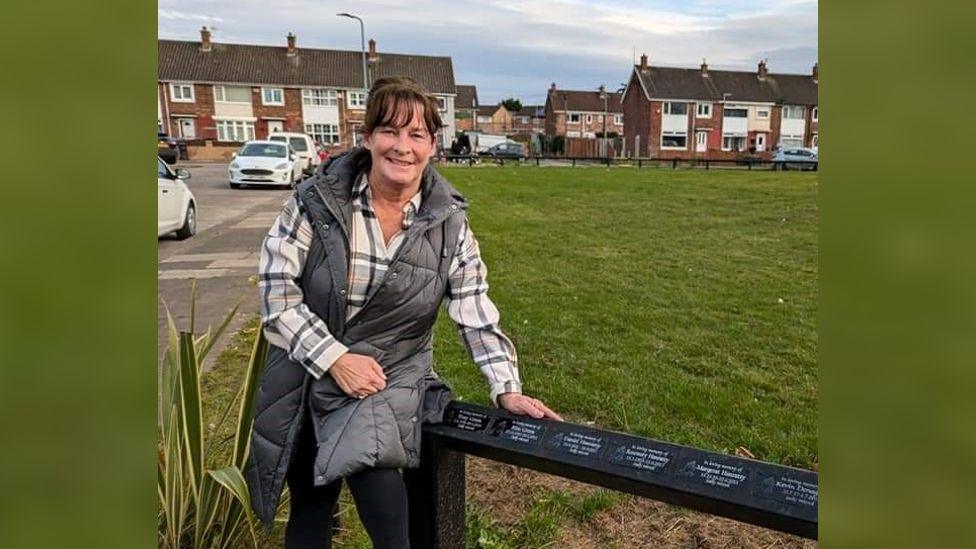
[280,101]
[328,98]
[725,112]
[482,119]
[573,115]
[326,134]
[787,109]
[356,99]
[699,111]
[589,119]
[762,113]
[237,129]
[666,108]
[791,141]
[441,103]
[674,134]
[815,114]
[222,96]
[172,92]
[618,119]
[744,138]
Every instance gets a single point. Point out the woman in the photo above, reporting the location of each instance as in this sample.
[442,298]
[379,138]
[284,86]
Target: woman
[352,276]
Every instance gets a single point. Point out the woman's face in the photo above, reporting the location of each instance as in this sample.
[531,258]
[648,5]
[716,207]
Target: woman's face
[400,154]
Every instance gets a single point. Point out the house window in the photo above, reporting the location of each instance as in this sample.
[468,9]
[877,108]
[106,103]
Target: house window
[484,120]
[327,134]
[574,118]
[815,141]
[793,112]
[441,103]
[232,94]
[235,130]
[790,141]
[676,108]
[589,118]
[618,119]
[572,134]
[181,93]
[762,113]
[704,110]
[733,142]
[523,119]
[319,98]
[357,100]
[272,96]
[815,114]
[735,113]
[674,140]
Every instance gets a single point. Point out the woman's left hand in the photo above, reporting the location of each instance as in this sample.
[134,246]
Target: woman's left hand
[524,405]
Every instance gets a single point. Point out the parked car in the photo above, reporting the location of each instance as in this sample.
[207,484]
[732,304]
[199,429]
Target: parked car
[304,147]
[264,162]
[505,150]
[176,206]
[795,157]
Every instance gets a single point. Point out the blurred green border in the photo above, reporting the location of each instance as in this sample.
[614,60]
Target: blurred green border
[898,298]
[78,299]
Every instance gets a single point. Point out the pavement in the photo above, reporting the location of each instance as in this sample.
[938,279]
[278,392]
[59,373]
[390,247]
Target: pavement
[222,257]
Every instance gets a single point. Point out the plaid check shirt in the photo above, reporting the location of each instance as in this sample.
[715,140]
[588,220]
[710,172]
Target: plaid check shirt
[291,325]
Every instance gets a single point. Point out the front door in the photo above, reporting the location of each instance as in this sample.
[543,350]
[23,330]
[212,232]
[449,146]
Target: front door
[760,142]
[187,128]
[275,126]
[701,141]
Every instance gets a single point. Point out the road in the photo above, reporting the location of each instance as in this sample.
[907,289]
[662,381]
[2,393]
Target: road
[221,257]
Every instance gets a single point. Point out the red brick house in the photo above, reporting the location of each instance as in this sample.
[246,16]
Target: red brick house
[701,113]
[576,113]
[218,95]
[529,120]
[465,107]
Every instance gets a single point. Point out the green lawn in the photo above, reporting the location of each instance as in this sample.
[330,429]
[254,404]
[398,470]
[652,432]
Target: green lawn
[679,305]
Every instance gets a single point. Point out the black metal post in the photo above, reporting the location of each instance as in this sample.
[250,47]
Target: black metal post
[674,163]
[436,497]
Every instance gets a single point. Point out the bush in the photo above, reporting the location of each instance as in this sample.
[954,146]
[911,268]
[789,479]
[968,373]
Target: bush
[200,506]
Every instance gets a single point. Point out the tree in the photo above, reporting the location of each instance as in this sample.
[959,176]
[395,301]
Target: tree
[512,104]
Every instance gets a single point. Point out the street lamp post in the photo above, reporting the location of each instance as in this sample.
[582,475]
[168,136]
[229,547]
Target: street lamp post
[603,94]
[362,45]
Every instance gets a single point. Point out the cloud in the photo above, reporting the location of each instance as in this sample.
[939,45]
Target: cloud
[173,15]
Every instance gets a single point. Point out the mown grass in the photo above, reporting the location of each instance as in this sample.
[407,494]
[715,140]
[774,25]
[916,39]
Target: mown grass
[678,305]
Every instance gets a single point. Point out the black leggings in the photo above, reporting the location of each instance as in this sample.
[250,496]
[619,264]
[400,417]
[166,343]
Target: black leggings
[380,496]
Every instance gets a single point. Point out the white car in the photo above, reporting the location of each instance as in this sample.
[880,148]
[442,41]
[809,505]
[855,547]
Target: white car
[264,162]
[304,146]
[176,206]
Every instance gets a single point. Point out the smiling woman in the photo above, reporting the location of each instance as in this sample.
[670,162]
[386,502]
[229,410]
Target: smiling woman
[353,275]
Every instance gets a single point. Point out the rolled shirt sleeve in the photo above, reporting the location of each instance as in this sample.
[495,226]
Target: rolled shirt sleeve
[477,318]
[288,322]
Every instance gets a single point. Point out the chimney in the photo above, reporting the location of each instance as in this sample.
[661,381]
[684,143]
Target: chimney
[205,44]
[704,67]
[643,63]
[292,50]
[552,87]
[762,72]
[816,76]
[372,50]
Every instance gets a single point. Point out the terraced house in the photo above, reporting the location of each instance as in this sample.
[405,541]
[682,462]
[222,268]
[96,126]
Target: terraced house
[715,114]
[219,95]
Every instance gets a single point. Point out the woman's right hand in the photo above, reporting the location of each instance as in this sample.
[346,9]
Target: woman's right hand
[358,375]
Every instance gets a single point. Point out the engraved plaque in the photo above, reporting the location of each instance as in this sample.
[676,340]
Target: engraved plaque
[640,457]
[517,431]
[577,444]
[787,489]
[467,420]
[712,472]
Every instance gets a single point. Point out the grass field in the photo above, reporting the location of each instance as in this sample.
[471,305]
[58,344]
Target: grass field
[678,305]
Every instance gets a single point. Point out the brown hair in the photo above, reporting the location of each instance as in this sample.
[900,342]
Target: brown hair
[393,101]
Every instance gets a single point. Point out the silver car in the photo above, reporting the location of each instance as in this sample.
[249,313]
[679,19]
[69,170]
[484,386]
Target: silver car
[801,158]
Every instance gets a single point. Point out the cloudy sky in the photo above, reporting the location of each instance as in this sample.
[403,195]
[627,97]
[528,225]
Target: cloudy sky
[517,47]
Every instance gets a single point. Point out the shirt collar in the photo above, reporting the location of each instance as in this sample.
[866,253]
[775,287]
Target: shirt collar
[362,193]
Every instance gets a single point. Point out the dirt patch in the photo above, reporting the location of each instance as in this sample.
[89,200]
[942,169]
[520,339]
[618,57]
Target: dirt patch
[508,492]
